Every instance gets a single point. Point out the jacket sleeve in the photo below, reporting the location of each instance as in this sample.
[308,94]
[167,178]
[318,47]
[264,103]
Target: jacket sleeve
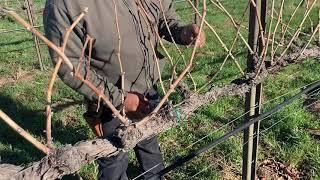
[173,21]
[56,20]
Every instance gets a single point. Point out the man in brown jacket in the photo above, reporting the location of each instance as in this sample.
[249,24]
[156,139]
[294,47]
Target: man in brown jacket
[137,58]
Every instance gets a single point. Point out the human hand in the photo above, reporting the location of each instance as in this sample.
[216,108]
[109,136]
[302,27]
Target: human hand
[190,33]
[135,102]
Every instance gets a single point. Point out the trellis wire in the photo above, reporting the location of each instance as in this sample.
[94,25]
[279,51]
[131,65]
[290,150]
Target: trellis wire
[225,137]
[260,133]
[314,91]
[242,115]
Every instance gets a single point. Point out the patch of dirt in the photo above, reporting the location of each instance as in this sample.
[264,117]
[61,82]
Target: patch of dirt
[315,133]
[315,107]
[3,81]
[273,170]
[230,173]
[19,76]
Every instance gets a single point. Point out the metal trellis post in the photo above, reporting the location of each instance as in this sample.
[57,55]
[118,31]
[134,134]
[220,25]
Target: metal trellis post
[196,17]
[32,20]
[253,97]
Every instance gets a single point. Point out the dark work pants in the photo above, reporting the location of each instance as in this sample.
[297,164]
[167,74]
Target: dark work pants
[147,152]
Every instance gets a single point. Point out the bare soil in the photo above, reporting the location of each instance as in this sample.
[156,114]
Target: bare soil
[18,77]
[271,169]
[315,107]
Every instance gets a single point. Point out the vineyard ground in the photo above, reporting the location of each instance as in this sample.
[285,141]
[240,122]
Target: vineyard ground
[291,142]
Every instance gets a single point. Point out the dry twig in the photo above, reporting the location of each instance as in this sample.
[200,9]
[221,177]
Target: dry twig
[54,76]
[23,133]
[176,82]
